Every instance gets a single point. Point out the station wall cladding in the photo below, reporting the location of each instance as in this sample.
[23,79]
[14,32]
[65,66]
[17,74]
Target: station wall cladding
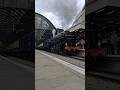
[17,24]
[103,44]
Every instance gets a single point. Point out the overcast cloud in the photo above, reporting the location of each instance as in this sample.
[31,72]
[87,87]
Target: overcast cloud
[60,12]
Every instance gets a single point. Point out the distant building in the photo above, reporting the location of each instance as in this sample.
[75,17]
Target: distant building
[43,29]
[59,31]
[78,27]
[79,22]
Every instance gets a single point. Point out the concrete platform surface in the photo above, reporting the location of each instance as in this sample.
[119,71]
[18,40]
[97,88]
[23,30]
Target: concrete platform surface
[51,75]
[15,75]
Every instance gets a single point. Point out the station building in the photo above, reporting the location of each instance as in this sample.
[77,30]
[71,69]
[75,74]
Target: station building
[43,29]
[79,22]
[78,27]
[17,28]
[102,20]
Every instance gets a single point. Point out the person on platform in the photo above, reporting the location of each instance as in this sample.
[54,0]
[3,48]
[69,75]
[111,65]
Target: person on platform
[114,42]
[82,41]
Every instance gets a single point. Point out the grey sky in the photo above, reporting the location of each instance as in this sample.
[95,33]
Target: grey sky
[60,12]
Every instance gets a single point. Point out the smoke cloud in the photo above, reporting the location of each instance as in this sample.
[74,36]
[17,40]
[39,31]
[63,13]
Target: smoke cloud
[60,12]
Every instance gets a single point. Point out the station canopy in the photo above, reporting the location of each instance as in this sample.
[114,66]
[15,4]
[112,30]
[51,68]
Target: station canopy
[104,20]
[14,23]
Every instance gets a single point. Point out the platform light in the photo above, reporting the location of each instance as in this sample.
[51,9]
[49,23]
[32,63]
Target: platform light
[110,12]
[100,10]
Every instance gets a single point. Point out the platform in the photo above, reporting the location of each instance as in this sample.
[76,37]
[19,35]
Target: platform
[52,75]
[16,74]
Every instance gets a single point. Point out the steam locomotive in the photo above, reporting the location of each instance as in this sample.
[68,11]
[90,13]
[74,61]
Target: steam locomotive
[63,44]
